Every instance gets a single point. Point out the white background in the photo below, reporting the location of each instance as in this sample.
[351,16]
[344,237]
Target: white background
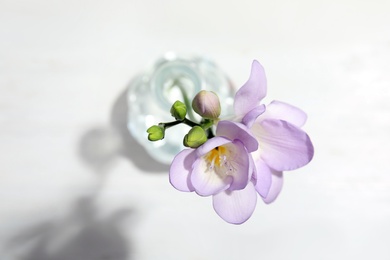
[75,185]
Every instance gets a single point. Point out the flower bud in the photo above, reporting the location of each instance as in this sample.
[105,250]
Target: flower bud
[179,110]
[156,133]
[195,137]
[206,104]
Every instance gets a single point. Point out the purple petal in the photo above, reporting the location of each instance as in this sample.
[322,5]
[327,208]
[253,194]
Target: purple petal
[211,144]
[237,163]
[282,145]
[207,180]
[286,112]
[276,187]
[252,92]
[229,166]
[263,178]
[180,169]
[233,131]
[237,206]
[252,115]
[252,168]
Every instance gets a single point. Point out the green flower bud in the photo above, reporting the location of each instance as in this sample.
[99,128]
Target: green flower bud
[195,137]
[179,110]
[206,104]
[156,133]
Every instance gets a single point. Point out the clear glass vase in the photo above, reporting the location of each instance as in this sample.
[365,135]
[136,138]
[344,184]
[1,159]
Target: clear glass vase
[151,96]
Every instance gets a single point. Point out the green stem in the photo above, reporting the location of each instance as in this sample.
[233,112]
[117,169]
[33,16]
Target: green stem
[190,123]
[207,123]
[184,121]
[169,124]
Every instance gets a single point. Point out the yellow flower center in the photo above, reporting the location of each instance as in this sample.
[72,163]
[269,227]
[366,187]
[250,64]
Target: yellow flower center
[217,160]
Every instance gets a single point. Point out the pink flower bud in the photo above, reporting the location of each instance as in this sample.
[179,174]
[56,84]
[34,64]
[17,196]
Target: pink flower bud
[206,104]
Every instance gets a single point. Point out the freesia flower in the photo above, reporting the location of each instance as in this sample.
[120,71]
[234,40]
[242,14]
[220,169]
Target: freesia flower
[222,168]
[283,146]
[247,156]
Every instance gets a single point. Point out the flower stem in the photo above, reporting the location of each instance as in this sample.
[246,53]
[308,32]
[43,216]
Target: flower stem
[190,123]
[169,124]
[173,123]
[207,123]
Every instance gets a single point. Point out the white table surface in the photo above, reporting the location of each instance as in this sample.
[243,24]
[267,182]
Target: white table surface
[75,185]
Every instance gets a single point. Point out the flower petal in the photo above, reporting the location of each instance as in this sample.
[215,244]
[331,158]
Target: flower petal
[252,92]
[237,164]
[211,144]
[282,145]
[263,178]
[286,112]
[180,169]
[206,180]
[252,115]
[237,206]
[276,187]
[233,131]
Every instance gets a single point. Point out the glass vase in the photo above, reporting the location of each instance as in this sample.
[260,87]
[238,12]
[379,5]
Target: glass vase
[151,95]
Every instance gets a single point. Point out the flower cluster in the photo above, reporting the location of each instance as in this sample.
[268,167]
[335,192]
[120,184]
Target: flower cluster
[238,159]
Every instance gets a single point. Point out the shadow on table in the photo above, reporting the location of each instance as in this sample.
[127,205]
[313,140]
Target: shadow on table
[130,148]
[81,235]
[100,145]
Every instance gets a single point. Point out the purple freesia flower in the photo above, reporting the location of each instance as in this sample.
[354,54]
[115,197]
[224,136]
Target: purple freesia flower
[283,146]
[222,168]
[248,156]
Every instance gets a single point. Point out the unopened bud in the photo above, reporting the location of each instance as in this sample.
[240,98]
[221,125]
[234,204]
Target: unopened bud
[156,133]
[195,137]
[179,110]
[206,104]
